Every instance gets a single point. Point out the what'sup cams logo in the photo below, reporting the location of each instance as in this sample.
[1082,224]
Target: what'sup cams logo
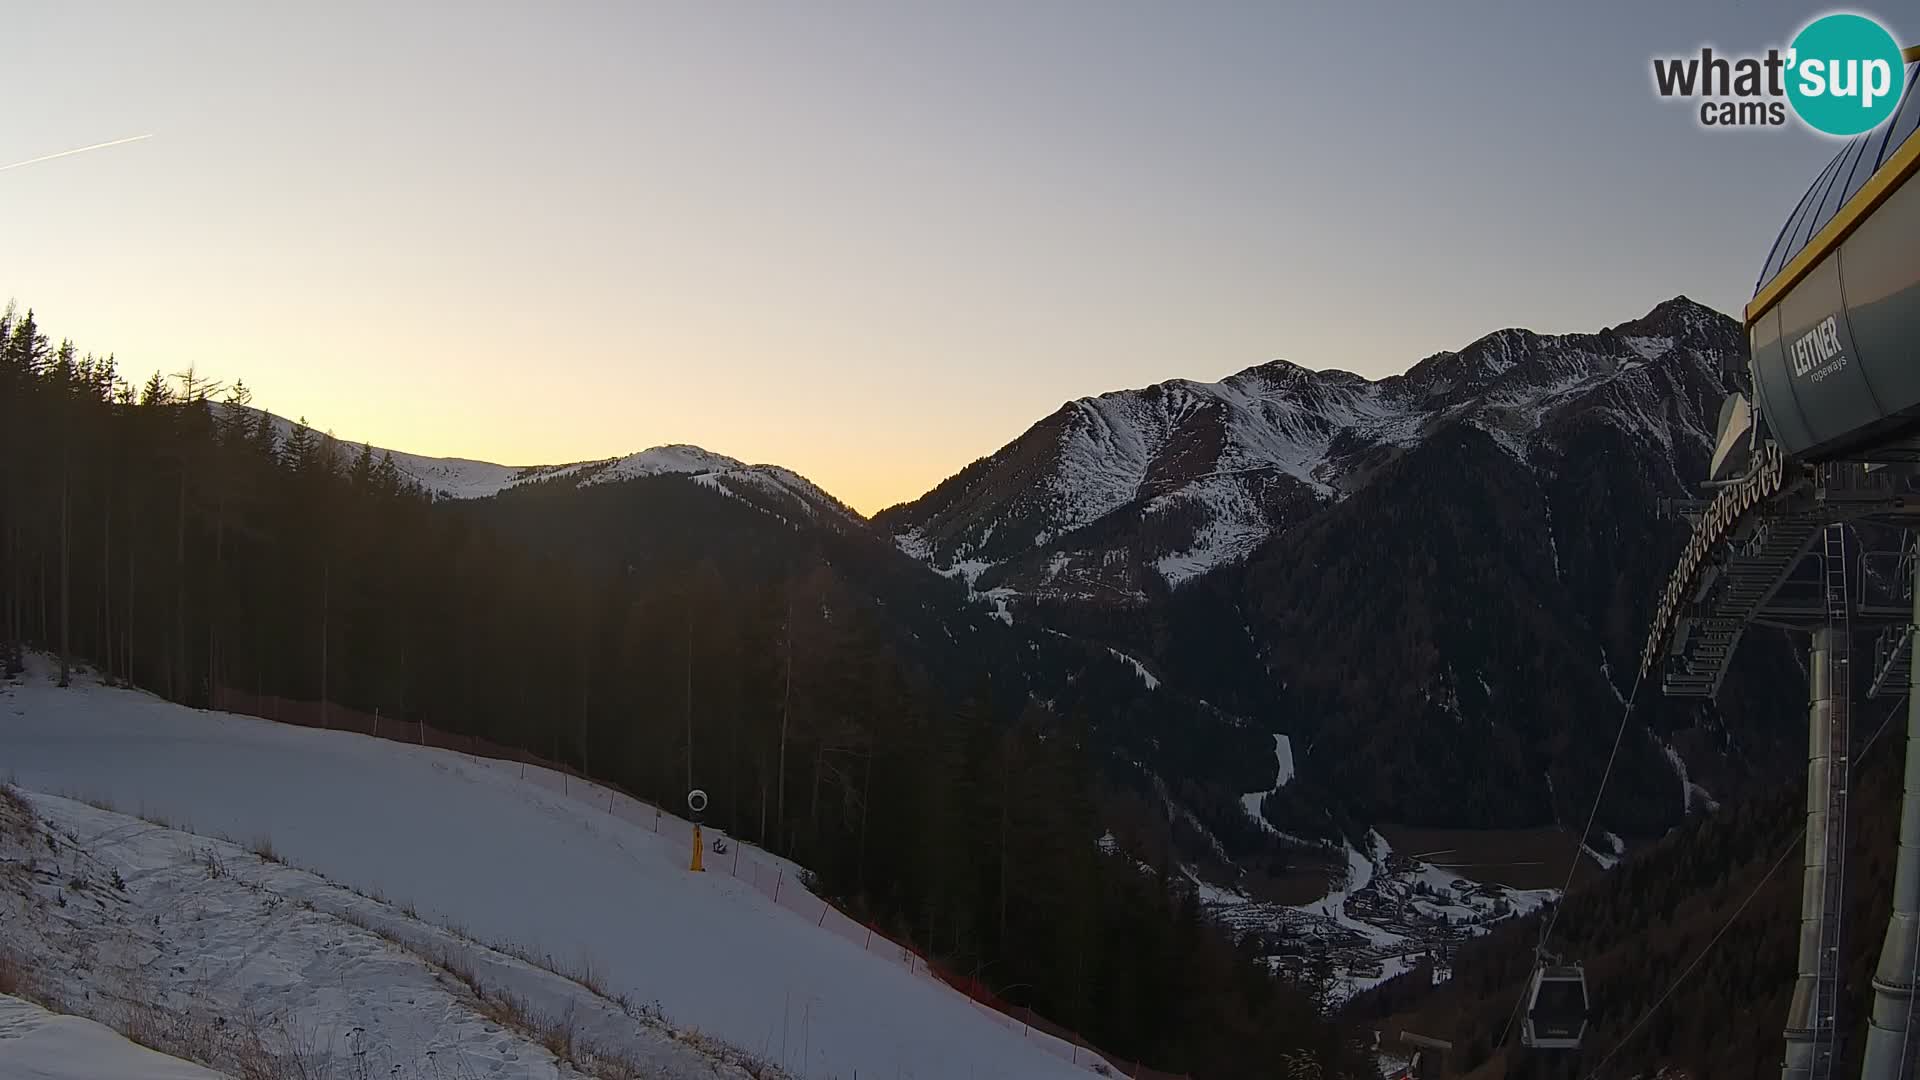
[1842,75]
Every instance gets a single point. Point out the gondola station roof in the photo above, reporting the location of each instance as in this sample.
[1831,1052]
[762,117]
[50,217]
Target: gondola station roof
[1835,319]
[1839,182]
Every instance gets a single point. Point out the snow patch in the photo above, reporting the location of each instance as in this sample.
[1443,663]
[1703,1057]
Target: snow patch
[1283,756]
[1000,602]
[1334,904]
[39,1045]
[1235,524]
[1687,787]
[1251,801]
[1211,894]
[1138,669]
[1606,672]
[1696,793]
[1649,348]
[1553,543]
[163,923]
[1391,968]
[1377,846]
[914,545]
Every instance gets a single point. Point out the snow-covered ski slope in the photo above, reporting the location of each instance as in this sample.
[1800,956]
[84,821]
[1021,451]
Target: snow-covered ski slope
[216,953]
[38,1045]
[507,860]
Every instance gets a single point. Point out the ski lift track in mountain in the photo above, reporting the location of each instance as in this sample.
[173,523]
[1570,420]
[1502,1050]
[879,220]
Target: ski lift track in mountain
[1551,1026]
[1781,857]
[1821,437]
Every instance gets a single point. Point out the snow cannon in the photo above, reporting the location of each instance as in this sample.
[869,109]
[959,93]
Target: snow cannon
[1429,1056]
[697,803]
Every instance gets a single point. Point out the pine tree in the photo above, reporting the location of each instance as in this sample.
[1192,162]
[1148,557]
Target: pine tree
[156,392]
[236,419]
[361,475]
[386,478]
[326,457]
[27,347]
[298,452]
[265,441]
[228,561]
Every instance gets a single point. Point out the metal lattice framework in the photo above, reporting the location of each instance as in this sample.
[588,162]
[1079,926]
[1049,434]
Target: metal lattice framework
[1746,545]
[1839,676]
[1743,567]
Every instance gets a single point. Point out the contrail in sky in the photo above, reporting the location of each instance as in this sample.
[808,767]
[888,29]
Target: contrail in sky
[76,150]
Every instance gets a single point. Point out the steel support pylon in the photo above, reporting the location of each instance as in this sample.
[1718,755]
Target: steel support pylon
[1833,883]
[1892,1041]
[1802,1024]
[1813,1029]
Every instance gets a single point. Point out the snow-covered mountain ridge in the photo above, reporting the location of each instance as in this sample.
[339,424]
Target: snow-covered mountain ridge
[1135,490]
[465,478]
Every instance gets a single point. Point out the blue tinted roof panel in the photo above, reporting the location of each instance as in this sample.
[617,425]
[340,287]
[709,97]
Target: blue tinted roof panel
[1777,256]
[1849,170]
[1836,192]
[1793,236]
[1903,125]
[1811,220]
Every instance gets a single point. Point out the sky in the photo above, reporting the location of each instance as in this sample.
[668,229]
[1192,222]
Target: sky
[869,241]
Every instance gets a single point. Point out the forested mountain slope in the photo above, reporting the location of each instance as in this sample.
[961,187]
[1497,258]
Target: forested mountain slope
[1735,875]
[976,715]
[846,707]
[1435,584]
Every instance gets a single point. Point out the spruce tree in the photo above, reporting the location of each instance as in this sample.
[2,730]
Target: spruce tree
[299,449]
[361,475]
[194,553]
[386,477]
[265,441]
[156,392]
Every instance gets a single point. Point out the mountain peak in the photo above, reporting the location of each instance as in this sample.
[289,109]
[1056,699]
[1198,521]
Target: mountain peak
[1137,490]
[1277,367]
[466,478]
[1677,318]
[672,458]
[1281,374]
[1685,305]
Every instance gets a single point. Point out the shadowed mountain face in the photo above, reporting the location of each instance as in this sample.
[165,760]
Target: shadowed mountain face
[1435,583]
[1127,493]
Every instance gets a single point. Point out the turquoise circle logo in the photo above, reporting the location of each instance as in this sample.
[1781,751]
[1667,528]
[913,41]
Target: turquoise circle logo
[1845,74]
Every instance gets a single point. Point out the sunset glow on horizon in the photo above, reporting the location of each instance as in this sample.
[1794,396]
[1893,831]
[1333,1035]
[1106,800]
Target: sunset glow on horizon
[866,243]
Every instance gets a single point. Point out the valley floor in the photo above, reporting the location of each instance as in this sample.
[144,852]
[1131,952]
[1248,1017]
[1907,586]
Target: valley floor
[1385,916]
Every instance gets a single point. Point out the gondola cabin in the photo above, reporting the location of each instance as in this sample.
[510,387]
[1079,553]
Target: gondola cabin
[1556,1009]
